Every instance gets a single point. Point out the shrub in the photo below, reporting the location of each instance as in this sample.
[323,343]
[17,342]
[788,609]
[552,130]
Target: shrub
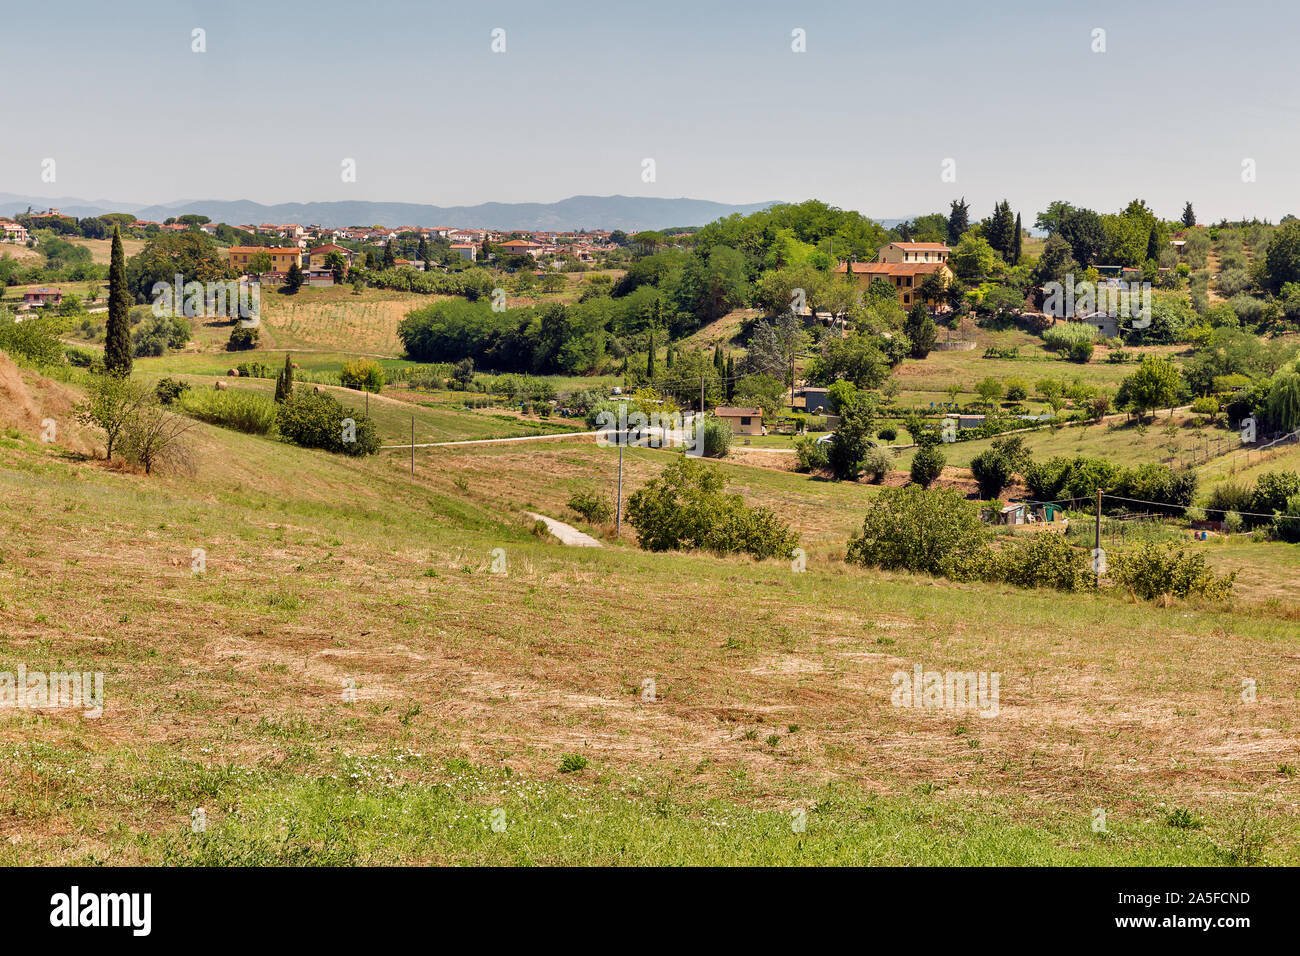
[877,462]
[992,471]
[687,507]
[240,409]
[811,456]
[1273,490]
[82,358]
[363,375]
[1064,335]
[242,339]
[591,507]
[573,763]
[1154,569]
[919,530]
[927,465]
[1080,352]
[716,435]
[1229,496]
[1286,522]
[1044,560]
[850,443]
[36,338]
[888,433]
[314,420]
[169,389]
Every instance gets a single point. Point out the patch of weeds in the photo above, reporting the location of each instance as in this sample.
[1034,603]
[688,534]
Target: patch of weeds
[573,763]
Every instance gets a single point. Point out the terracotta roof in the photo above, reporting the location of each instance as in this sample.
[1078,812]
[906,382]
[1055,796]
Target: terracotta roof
[727,411]
[891,268]
[268,249]
[922,246]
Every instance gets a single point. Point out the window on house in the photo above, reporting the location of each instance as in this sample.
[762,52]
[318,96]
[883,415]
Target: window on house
[744,419]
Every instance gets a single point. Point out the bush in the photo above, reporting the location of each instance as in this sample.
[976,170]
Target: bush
[591,507]
[1044,560]
[314,420]
[927,465]
[687,507]
[242,339]
[1286,523]
[36,338]
[716,435]
[888,433]
[240,409]
[363,375]
[1229,496]
[1080,352]
[877,462]
[1273,490]
[992,471]
[82,358]
[811,456]
[924,531]
[1064,335]
[1153,569]
[169,389]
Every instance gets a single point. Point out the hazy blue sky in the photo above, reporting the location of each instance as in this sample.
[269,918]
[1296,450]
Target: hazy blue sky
[711,91]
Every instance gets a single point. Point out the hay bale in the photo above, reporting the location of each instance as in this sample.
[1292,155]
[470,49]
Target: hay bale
[222,385]
[234,372]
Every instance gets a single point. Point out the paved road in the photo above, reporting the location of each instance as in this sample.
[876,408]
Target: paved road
[566,532]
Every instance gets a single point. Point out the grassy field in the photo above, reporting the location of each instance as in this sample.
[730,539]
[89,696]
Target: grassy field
[231,690]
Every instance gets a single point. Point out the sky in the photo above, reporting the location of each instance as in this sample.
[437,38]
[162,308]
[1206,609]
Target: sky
[1016,94]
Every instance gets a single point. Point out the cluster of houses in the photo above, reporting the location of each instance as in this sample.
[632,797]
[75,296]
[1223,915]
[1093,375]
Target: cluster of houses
[11,231]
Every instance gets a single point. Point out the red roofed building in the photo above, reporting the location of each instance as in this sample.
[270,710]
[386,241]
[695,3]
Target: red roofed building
[905,277]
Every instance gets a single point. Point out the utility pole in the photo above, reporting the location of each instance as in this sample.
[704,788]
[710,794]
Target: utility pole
[412,446]
[1096,546]
[701,394]
[618,521]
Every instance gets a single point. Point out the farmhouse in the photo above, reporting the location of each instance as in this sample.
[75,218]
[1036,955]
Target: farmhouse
[913,252]
[316,258]
[743,421]
[282,257]
[466,250]
[35,298]
[521,247]
[905,277]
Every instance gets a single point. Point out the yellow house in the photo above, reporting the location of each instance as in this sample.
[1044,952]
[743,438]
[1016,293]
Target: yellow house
[913,252]
[743,421]
[281,257]
[905,277]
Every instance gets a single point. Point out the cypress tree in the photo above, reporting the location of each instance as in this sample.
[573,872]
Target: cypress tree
[294,280]
[731,377]
[1189,217]
[718,364]
[650,358]
[390,260]
[284,381]
[1018,245]
[117,332]
[668,360]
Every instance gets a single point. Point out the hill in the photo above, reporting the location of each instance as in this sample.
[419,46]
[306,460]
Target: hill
[347,652]
[629,213]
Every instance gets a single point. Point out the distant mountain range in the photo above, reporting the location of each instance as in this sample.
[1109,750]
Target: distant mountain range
[629,213]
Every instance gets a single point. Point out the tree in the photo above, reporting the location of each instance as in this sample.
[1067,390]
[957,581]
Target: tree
[1018,248]
[337,265]
[650,358]
[152,437]
[974,259]
[1055,263]
[293,282]
[260,263]
[1049,220]
[1084,230]
[390,260]
[958,220]
[1189,217]
[687,507]
[920,331]
[927,464]
[112,402]
[1155,384]
[284,382]
[1282,257]
[1000,231]
[926,532]
[852,437]
[989,390]
[117,331]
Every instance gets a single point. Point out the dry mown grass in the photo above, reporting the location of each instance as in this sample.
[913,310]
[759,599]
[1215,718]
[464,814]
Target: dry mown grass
[322,570]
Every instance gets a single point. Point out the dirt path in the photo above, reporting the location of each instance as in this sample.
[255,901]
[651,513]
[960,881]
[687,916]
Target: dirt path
[566,533]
